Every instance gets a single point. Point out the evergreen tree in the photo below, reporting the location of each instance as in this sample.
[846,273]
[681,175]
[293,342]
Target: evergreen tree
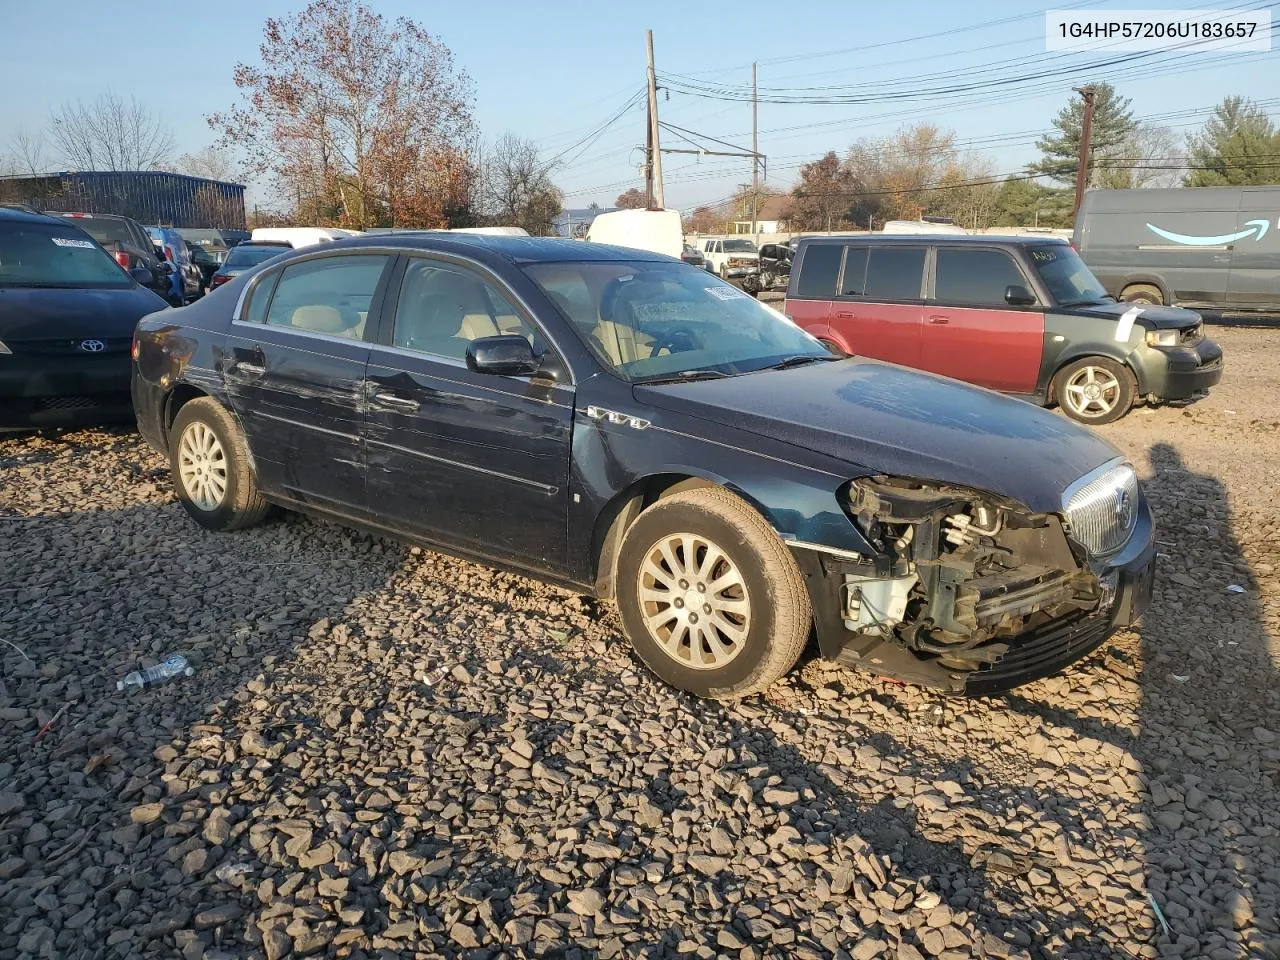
[1239,146]
[1113,125]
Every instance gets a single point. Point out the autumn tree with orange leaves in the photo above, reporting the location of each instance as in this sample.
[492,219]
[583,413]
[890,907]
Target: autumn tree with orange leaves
[358,122]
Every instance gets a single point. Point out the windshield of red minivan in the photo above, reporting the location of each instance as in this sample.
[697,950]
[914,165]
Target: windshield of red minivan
[1065,274]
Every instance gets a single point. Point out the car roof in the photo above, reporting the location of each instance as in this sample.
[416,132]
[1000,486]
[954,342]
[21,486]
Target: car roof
[493,247]
[23,216]
[985,239]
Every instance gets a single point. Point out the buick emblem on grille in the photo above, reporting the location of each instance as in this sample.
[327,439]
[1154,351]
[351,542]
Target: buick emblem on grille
[92,346]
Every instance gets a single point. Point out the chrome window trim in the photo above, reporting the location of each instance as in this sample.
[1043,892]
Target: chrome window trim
[307,334]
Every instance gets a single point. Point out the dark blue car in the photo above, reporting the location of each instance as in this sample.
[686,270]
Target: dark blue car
[633,428]
[67,313]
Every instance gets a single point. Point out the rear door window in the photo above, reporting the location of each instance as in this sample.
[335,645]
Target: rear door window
[895,273]
[818,271]
[330,295]
[976,278]
[853,282]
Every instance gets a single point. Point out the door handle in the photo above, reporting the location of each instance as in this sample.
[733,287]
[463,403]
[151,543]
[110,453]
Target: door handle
[248,369]
[846,315]
[398,403]
[938,318]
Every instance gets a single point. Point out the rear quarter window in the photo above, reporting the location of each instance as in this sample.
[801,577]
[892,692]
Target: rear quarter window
[818,271]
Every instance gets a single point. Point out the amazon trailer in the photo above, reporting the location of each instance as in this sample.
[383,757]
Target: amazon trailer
[1203,247]
[148,196]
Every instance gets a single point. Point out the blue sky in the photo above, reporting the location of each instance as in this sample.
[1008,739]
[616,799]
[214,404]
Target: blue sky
[555,71]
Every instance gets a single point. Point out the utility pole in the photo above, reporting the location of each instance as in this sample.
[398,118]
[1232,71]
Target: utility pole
[755,153]
[1086,133]
[658,201]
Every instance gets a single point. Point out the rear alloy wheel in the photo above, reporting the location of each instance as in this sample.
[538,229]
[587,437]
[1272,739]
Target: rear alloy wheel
[1142,294]
[1095,390]
[710,598]
[209,464]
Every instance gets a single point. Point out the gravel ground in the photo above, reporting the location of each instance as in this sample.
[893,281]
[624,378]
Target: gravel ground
[386,752]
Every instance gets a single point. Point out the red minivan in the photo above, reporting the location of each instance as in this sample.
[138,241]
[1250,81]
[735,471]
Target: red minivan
[1022,315]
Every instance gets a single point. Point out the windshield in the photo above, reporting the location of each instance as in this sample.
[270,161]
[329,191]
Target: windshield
[651,320]
[47,255]
[739,246]
[106,232]
[1065,274]
[246,256]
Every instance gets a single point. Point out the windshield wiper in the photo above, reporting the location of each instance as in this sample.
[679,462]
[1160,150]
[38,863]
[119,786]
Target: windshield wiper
[800,359]
[684,376]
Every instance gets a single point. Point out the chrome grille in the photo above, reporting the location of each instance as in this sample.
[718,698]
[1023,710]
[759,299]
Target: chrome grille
[1102,507]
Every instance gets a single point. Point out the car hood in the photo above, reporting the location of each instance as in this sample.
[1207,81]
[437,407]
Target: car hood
[37,313]
[1156,318]
[884,419]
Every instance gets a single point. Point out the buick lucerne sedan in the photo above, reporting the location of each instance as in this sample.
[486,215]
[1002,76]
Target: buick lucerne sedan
[631,427]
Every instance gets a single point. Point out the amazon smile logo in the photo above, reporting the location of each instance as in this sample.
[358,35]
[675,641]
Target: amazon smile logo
[1255,228]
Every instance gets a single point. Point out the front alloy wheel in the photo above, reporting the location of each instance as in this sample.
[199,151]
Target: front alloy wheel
[695,601]
[710,597]
[1095,390]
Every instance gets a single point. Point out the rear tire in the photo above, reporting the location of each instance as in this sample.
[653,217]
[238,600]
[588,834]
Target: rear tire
[1142,293]
[710,598]
[209,464]
[1095,390]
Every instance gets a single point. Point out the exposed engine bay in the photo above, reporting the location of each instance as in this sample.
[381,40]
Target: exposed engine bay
[960,573]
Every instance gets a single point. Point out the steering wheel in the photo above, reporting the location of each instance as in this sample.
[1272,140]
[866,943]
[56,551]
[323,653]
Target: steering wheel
[675,341]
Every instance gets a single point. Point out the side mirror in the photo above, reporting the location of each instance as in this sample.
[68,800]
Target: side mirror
[142,276]
[509,355]
[1016,295]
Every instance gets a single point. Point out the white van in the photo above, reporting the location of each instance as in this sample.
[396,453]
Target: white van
[923,226]
[302,236]
[659,231]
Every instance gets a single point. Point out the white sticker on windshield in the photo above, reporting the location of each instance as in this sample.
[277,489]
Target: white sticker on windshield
[725,293]
[65,242]
[1125,326]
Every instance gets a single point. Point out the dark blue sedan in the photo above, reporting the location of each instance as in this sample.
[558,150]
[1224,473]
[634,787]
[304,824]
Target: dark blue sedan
[67,313]
[631,427]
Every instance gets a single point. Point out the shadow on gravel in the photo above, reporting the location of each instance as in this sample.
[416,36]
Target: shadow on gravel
[90,596]
[1208,728]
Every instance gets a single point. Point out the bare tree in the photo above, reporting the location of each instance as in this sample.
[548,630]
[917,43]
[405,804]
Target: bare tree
[208,162]
[517,186]
[1148,157]
[110,133]
[27,153]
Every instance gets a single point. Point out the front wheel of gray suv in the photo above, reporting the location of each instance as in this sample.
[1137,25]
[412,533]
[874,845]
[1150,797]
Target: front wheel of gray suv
[1094,390]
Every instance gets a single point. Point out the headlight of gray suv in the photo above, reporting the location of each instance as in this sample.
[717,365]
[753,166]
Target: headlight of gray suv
[1164,338]
[1102,507]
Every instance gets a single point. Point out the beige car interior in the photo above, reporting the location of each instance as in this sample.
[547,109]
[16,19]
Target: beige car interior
[441,311]
[617,338]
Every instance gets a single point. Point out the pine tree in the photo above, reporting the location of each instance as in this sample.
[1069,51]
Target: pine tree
[1239,146]
[1113,125]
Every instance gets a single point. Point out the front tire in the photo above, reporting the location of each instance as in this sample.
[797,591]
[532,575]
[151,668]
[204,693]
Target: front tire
[1095,390]
[209,464]
[710,598]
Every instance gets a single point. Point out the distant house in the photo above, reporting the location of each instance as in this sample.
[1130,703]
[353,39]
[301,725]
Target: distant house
[770,218]
[574,223]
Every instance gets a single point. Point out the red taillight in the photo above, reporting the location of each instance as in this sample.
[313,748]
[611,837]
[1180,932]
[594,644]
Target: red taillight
[133,350]
[122,258]
[1073,246]
[217,280]
[168,252]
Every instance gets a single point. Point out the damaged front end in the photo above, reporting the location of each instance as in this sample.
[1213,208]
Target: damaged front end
[963,584]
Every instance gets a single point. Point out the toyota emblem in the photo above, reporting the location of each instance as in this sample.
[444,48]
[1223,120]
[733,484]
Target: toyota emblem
[92,346]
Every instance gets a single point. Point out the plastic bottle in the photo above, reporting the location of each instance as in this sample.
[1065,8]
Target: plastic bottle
[167,669]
